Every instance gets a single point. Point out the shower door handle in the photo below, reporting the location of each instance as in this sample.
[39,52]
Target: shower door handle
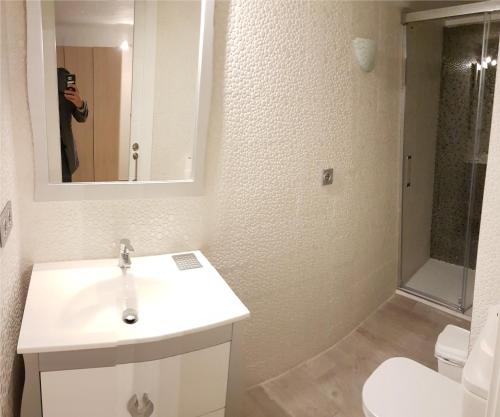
[408,171]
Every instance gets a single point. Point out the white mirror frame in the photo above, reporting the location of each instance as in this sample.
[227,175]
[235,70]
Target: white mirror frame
[46,191]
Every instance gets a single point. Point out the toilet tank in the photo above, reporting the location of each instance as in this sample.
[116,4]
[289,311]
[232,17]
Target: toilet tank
[478,369]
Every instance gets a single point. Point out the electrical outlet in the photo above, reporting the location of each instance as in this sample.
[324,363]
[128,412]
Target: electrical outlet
[6,223]
[327,176]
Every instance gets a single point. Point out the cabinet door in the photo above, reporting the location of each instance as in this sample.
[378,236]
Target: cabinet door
[189,385]
[107,97]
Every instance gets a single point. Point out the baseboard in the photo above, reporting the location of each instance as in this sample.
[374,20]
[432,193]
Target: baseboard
[434,305]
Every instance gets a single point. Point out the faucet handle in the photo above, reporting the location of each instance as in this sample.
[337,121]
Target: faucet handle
[125,245]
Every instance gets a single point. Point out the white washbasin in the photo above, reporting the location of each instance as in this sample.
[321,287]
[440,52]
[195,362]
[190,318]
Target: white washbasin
[79,304]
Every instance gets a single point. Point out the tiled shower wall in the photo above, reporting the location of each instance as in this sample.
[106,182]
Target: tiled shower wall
[455,144]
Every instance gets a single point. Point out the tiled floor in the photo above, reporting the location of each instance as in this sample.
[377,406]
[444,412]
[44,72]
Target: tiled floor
[330,384]
[443,280]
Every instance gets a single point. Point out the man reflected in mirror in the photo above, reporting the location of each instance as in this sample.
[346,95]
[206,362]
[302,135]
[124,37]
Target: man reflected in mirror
[71,105]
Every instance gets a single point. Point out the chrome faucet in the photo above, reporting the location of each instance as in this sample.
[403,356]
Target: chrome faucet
[126,247]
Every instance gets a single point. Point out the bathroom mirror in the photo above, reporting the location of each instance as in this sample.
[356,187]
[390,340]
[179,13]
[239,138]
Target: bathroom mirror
[119,96]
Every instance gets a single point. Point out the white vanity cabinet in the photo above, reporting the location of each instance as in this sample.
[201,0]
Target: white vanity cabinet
[189,385]
[179,359]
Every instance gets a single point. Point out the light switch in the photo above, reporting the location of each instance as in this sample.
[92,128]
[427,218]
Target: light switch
[328,176]
[6,223]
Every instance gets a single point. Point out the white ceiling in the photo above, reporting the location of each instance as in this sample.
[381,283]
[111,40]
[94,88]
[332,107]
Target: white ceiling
[105,12]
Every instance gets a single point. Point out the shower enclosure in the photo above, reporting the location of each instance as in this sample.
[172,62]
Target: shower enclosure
[449,87]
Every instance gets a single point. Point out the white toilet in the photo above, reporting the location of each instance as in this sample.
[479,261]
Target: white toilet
[402,387]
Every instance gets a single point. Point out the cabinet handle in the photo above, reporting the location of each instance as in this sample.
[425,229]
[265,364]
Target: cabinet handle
[145,411]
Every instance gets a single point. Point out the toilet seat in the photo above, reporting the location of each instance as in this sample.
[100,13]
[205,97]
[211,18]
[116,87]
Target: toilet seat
[402,387]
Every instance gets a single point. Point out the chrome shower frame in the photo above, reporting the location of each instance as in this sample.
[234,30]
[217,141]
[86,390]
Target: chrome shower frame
[482,10]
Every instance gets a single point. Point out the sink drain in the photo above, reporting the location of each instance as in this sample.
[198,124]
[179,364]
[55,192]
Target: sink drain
[130,316]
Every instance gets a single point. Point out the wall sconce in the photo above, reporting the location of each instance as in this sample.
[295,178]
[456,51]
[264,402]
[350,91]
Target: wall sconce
[365,51]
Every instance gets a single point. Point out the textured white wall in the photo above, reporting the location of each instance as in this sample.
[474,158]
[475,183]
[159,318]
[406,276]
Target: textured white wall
[14,130]
[487,284]
[309,261]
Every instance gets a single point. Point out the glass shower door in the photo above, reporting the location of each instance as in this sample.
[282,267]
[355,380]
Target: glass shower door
[487,68]
[444,131]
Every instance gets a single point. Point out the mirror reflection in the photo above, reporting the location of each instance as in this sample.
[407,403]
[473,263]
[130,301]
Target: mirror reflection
[122,83]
